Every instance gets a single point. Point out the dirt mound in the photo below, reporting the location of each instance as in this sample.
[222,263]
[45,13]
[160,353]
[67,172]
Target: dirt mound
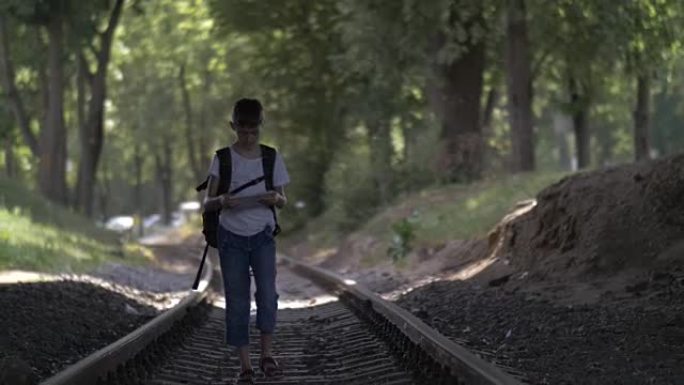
[601,222]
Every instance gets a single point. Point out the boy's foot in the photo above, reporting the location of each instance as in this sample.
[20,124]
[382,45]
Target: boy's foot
[246,377]
[269,366]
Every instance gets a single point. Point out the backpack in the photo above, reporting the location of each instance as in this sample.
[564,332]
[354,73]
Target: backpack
[210,220]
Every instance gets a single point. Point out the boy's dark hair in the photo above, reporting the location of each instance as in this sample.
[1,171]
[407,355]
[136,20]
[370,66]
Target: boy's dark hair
[248,112]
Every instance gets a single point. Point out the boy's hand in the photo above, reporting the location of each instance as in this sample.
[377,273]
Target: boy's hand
[228,202]
[271,198]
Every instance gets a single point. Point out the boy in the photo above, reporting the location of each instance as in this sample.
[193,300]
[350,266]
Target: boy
[246,238]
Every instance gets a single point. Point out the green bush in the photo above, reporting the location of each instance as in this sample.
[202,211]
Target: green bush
[403,234]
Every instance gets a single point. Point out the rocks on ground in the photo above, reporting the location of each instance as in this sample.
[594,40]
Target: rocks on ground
[48,325]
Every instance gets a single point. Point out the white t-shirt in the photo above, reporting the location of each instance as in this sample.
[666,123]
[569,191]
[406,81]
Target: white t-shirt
[249,219]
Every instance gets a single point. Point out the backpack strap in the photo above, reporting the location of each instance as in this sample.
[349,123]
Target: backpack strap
[268,158]
[210,219]
[225,170]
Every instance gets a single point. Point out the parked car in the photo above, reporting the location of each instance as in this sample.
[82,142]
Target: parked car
[120,223]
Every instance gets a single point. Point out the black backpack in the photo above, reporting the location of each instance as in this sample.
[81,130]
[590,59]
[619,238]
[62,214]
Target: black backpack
[210,220]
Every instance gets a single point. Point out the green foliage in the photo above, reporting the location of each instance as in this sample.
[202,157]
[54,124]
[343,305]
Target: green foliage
[668,113]
[330,72]
[650,33]
[403,234]
[288,61]
[350,193]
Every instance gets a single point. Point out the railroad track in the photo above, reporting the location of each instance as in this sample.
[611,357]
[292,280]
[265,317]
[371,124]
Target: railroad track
[358,339]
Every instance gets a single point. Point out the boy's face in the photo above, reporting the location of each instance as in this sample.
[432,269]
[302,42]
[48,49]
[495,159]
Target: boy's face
[246,133]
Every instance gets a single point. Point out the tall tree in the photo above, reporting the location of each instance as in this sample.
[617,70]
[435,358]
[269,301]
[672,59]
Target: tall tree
[8,82]
[445,40]
[580,99]
[92,127]
[52,141]
[578,35]
[291,54]
[519,76]
[65,23]
[190,132]
[651,33]
[455,88]
[7,139]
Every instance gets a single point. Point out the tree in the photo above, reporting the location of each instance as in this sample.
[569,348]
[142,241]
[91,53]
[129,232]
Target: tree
[52,139]
[91,124]
[651,32]
[451,59]
[457,52]
[519,76]
[67,24]
[288,58]
[7,78]
[7,139]
[170,92]
[579,36]
[376,76]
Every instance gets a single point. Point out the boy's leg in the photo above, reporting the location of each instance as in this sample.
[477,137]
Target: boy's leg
[263,263]
[266,345]
[236,281]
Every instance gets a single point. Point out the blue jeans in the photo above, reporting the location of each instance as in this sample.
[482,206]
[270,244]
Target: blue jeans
[237,253]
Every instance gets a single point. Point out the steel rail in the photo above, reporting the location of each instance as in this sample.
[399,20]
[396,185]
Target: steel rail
[464,365]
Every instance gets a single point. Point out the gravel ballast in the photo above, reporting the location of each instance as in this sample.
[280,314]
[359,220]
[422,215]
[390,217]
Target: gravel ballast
[49,325]
[638,341]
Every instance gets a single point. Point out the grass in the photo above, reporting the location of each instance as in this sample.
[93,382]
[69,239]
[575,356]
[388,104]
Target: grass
[437,214]
[460,211]
[38,235]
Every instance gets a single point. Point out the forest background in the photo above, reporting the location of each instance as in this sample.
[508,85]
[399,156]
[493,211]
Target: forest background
[116,106]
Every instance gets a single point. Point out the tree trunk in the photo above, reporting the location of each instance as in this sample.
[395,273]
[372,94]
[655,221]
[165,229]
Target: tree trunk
[489,155]
[7,81]
[138,159]
[163,165]
[44,89]
[454,93]
[380,145]
[561,128]
[104,191]
[408,131]
[189,126]
[10,161]
[458,99]
[92,134]
[580,108]
[642,118]
[519,87]
[319,164]
[204,131]
[83,76]
[52,168]
[488,112]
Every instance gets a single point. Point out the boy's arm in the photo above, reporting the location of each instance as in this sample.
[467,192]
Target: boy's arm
[276,197]
[211,201]
[282,200]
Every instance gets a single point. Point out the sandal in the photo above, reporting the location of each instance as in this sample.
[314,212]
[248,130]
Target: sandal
[269,366]
[246,377]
